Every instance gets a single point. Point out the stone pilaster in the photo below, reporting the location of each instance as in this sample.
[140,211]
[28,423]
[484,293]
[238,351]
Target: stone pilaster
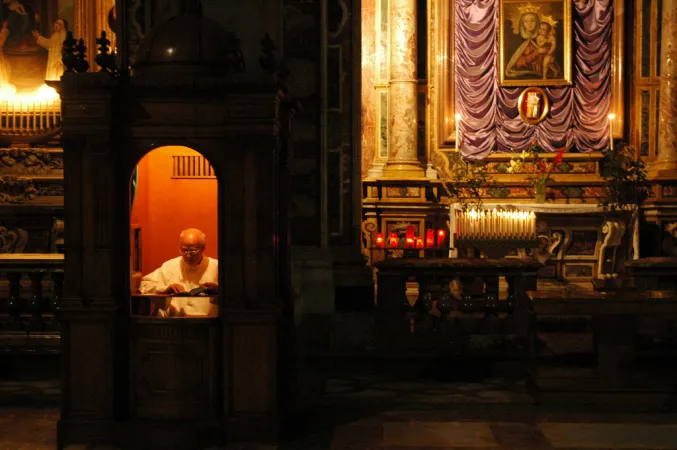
[665,166]
[402,152]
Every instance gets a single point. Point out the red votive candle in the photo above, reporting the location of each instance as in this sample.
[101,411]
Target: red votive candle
[419,243]
[441,234]
[429,238]
[410,242]
[392,241]
[411,229]
[379,240]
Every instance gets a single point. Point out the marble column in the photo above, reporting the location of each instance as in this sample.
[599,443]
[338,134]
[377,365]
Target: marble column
[402,152]
[665,164]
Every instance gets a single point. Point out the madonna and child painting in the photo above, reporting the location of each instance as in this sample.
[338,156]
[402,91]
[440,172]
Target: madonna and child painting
[535,43]
[31,36]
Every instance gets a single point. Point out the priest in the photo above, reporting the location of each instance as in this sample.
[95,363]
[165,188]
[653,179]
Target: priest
[186,272]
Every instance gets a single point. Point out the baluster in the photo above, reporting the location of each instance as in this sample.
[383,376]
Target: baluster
[15,303]
[4,303]
[391,305]
[466,295]
[57,286]
[491,294]
[510,301]
[446,301]
[36,302]
[521,284]
[424,304]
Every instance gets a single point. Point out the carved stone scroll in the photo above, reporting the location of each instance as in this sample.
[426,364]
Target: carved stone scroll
[369,227]
[13,240]
[613,231]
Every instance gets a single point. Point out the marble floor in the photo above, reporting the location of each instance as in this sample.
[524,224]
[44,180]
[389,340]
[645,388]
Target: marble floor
[396,411]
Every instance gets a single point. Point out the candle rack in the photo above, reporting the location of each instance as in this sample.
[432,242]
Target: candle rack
[29,115]
[497,248]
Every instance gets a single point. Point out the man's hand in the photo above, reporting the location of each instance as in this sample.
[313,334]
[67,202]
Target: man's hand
[35,34]
[210,287]
[175,288]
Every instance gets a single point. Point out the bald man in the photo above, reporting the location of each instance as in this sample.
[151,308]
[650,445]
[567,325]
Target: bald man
[186,272]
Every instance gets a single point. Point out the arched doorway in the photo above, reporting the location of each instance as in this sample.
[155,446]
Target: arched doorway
[173,333]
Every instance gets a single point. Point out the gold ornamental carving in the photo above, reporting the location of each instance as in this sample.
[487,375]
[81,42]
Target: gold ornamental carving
[29,161]
[20,190]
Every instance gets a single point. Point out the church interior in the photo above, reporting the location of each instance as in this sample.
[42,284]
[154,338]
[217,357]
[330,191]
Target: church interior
[338,224]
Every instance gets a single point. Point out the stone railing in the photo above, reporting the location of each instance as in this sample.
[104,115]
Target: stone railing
[431,321]
[29,306]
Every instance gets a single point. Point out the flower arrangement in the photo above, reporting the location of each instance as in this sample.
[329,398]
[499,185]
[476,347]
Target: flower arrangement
[542,167]
[625,182]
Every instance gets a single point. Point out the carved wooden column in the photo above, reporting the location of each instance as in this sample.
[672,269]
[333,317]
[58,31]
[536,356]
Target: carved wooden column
[402,112]
[665,166]
[257,316]
[93,260]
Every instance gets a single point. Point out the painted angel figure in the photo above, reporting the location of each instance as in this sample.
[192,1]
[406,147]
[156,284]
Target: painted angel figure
[4,66]
[53,45]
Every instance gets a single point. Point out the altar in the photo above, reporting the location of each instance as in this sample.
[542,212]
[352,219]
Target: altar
[576,241]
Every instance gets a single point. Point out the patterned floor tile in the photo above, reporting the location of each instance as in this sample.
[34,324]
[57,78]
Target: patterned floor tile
[519,436]
[611,436]
[439,434]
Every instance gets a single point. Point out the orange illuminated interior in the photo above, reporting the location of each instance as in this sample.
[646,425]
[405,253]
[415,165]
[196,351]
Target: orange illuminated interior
[165,205]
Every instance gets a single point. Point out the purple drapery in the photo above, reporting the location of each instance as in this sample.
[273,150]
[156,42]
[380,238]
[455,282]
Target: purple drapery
[579,113]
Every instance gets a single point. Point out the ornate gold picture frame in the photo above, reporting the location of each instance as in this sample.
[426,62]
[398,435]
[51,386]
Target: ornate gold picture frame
[533,105]
[535,43]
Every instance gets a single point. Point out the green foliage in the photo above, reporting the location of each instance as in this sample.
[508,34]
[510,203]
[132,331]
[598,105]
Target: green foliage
[625,178]
[464,181]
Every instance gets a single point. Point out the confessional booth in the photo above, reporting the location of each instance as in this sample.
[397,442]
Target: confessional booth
[180,142]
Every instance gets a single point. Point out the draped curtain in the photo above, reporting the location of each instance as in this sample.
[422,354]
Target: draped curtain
[490,118]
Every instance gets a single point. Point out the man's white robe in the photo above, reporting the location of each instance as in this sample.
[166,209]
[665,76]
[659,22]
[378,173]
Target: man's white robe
[177,271]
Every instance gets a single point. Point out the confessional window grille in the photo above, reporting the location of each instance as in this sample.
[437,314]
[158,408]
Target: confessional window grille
[191,167]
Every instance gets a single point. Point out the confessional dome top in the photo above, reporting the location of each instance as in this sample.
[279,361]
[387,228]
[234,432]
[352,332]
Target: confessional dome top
[189,44]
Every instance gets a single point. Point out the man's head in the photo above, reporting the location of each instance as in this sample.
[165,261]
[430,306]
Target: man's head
[192,245]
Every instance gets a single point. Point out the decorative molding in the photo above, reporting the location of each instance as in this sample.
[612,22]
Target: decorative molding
[20,190]
[13,240]
[29,161]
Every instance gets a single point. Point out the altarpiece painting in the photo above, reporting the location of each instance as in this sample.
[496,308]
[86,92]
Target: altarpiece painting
[31,35]
[535,43]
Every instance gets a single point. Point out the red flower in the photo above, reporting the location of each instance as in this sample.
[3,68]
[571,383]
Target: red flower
[541,165]
[558,158]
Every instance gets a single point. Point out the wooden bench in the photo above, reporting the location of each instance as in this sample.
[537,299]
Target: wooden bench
[615,315]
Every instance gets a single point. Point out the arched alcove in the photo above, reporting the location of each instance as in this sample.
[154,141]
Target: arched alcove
[173,188]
